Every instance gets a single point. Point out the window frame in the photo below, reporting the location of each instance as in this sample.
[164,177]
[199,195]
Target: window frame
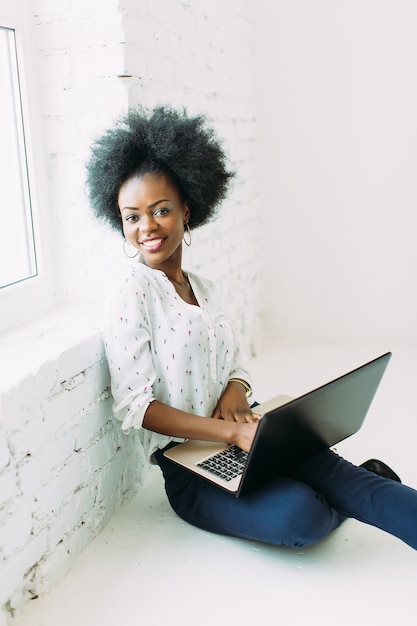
[27,299]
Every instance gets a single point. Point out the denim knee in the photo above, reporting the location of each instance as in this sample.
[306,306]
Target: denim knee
[284,512]
[307,518]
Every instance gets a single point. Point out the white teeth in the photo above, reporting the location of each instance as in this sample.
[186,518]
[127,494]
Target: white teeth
[152,244]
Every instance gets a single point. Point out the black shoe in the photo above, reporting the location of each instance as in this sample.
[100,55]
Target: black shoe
[380,468]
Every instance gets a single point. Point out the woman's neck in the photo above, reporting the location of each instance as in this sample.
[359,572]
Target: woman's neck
[177,276]
[172,269]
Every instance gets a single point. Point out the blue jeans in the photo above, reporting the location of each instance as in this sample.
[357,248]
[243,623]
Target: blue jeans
[299,509]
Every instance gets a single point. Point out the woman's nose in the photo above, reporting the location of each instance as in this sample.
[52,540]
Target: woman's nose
[148,224]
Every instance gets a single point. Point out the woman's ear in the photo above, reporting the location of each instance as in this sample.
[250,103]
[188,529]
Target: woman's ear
[186,210]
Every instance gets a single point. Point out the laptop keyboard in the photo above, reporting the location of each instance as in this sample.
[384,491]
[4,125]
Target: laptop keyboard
[226,464]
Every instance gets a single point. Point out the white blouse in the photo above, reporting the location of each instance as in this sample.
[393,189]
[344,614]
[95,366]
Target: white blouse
[159,347]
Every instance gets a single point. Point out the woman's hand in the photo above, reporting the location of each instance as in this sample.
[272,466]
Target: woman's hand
[233,405]
[164,419]
[244,435]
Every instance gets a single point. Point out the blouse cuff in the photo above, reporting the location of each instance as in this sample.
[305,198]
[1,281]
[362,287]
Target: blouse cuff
[132,416]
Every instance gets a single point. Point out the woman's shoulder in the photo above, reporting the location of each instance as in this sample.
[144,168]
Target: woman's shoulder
[205,289]
[144,283]
[130,285]
[137,275]
[202,281]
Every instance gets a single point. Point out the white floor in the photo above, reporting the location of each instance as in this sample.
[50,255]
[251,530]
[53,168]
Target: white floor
[149,567]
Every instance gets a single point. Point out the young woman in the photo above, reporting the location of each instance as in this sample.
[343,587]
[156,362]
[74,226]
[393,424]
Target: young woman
[174,360]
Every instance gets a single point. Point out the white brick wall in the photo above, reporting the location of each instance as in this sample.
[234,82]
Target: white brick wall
[64,463]
[65,466]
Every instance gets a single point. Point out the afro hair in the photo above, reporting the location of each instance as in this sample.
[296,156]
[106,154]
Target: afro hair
[166,142]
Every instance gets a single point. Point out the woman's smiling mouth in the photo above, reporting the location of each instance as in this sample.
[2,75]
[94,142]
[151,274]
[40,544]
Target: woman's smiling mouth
[153,245]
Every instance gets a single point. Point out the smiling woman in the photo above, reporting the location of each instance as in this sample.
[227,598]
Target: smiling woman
[146,181]
[175,363]
[153,218]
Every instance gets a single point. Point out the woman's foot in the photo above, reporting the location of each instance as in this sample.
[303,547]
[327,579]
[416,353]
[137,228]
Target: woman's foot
[380,468]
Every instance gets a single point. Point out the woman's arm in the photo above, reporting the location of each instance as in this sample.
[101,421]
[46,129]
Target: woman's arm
[163,419]
[233,405]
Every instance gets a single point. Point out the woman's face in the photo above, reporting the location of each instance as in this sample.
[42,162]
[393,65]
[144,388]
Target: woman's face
[153,217]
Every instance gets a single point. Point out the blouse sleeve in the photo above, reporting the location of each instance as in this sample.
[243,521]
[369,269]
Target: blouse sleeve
[237,366]
[127,344]
[238,369]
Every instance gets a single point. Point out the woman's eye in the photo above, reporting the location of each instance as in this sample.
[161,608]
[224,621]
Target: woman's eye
[131,218]
[162,211]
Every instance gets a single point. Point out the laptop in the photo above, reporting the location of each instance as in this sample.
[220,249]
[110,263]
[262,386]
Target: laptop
[290,431]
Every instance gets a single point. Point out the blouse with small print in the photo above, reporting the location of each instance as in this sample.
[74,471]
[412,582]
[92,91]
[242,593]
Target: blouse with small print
[159,347]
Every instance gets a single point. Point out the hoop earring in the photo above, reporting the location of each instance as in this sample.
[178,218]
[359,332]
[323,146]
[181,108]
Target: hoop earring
[187,243]
[126,254]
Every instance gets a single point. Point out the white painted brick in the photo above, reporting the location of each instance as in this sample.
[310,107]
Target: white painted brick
[102,515]
[87,95]
[75,33]
[29,439]
[4,451]
[64,406]
[53,11]
[46,380]
[99,454]
[133,468]
[15,528]
[110,477]
[93,422]
[101,376]
[111,30]
[97,380]
[80,356]
[56,35]
[12,571]
[15,404]
[61,134]
[108,56]
[58,64]
[70,516]
[8,485]
[51,569]
[28,351]
[50,497]
[79,540]
[38,469]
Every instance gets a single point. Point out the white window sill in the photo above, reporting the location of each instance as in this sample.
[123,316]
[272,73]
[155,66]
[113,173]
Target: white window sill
[24,350]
